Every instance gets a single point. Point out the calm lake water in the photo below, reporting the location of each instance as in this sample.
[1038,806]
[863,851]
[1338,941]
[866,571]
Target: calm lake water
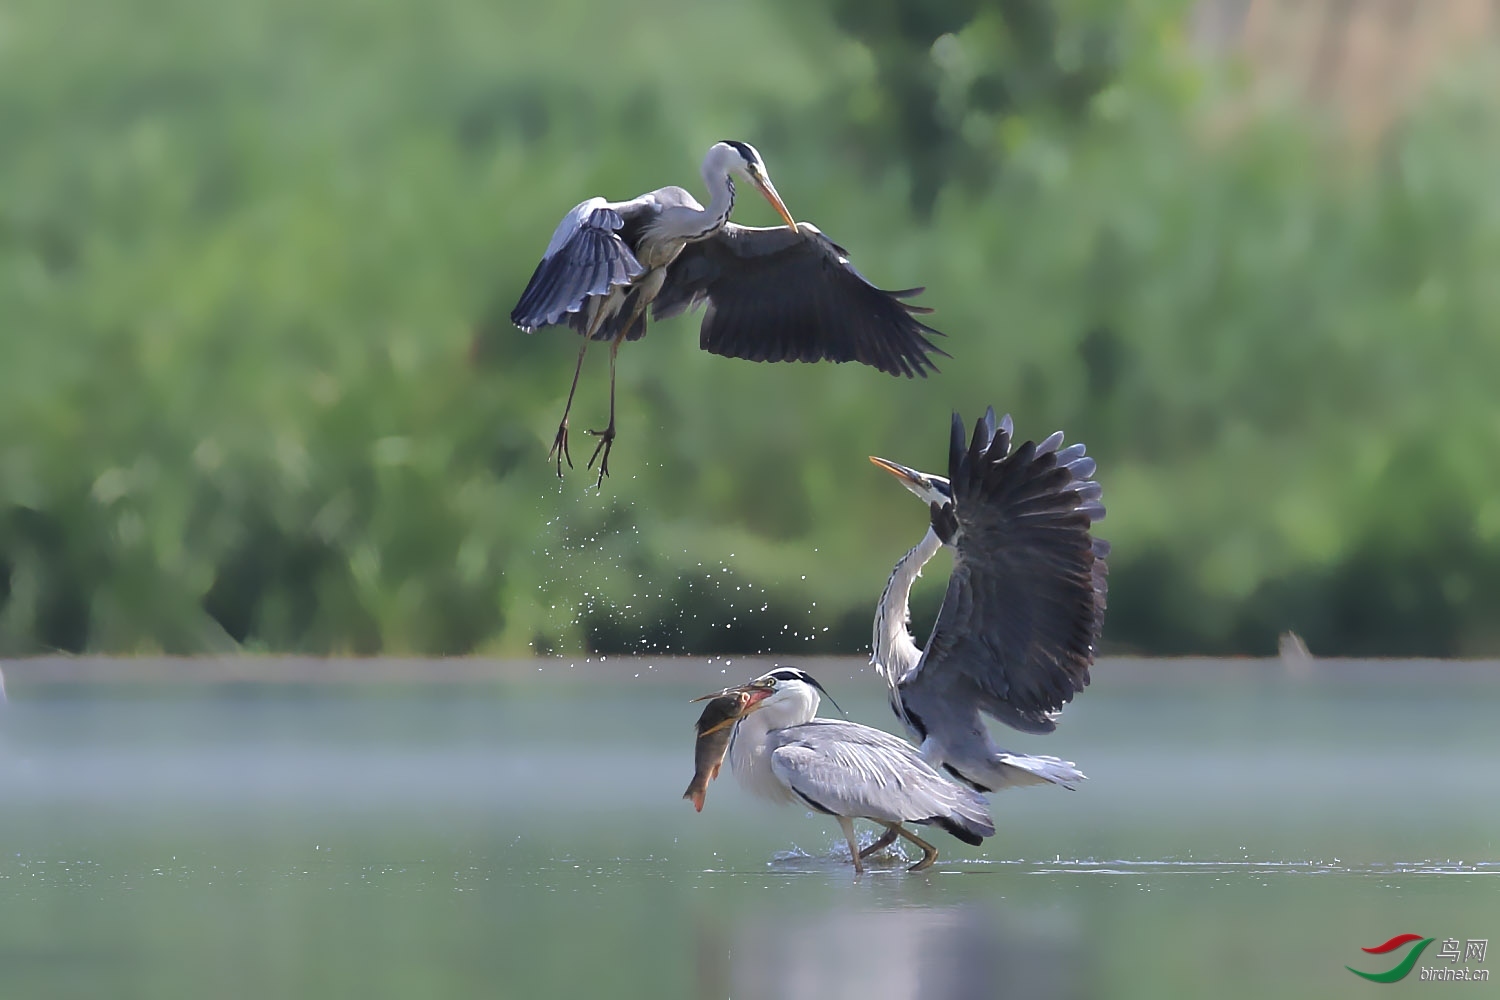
[1245,832]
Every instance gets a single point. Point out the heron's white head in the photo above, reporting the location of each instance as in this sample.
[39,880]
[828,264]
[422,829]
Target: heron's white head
[928,488]
[732,158]
[788,696]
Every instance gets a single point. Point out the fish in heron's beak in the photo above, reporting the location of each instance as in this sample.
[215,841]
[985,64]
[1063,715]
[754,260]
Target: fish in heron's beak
[769,190]
[715,728]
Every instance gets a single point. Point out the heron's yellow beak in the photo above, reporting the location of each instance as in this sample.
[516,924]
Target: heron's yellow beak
[720,725]
[769,190]
[910,478]
[758,695]
[750,697]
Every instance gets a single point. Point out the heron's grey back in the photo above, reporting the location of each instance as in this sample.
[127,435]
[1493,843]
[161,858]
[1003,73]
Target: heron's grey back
[848,769]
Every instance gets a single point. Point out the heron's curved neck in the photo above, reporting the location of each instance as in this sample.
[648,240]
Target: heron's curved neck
[788,707]
[721,202]
[683,222]
[893,651]
[750,746]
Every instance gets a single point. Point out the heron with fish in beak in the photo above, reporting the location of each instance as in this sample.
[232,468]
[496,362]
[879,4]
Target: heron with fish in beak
[779,750]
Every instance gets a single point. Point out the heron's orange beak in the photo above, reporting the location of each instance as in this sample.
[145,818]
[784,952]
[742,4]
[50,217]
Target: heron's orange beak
[769,190]
[755,693]
[910,478]
[757,699]
[720,725]
[753,697]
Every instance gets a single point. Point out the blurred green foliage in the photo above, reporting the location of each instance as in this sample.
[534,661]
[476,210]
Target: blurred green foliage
[257,386]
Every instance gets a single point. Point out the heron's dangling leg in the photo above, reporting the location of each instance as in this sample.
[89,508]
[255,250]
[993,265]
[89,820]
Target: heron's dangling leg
[607,436]
[929,853]
[560,443]
[886,840]
[848,826]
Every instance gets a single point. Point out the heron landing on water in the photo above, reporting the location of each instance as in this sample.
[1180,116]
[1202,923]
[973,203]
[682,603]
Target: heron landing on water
[781,751]
[1021,618]
[777,294]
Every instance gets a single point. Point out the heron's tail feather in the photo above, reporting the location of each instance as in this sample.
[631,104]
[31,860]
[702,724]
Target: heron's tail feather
[964,829]
[969,819]
[1015,769]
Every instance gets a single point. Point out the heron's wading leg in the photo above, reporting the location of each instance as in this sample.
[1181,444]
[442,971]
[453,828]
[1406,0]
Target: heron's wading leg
[854,854]
[929,853]
[886,840]
[607,436]
[892,831]
[560,443]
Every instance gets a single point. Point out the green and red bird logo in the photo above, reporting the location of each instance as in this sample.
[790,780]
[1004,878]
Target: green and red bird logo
[1401,969]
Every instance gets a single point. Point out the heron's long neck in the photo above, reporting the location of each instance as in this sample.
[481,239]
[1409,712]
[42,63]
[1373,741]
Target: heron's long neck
[721,202]
[682,224]
[893,650]
[750,747]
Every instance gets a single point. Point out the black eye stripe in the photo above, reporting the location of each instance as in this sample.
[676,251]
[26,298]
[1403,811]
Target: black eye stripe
[798,674]
[746,153]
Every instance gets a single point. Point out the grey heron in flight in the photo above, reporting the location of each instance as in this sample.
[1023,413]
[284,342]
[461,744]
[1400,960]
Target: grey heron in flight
[1021,617]
[777,294]
[781,751]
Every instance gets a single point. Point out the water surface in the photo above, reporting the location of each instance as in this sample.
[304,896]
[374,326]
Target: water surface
[1244,833]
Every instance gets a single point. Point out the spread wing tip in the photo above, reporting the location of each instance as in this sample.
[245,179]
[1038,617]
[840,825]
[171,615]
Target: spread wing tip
[917,365]
[902,294]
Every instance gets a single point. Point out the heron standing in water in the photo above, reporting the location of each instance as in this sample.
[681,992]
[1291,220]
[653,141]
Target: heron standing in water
[781,751]
[778,294]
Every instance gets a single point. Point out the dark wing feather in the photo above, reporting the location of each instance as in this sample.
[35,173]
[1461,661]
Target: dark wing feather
[588,261]
[779,295]
[1021,618]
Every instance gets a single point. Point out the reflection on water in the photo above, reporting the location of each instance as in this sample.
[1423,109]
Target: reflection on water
[934,953]
[530,841]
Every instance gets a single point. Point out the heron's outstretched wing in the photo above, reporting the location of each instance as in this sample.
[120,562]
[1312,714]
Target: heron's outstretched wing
[585,258]
[779,295]
[1021,617]
[848,769]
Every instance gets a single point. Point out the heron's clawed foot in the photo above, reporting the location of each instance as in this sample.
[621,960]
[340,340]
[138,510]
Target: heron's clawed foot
[606,442]
[929,853]
[560,447]
[927,859]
